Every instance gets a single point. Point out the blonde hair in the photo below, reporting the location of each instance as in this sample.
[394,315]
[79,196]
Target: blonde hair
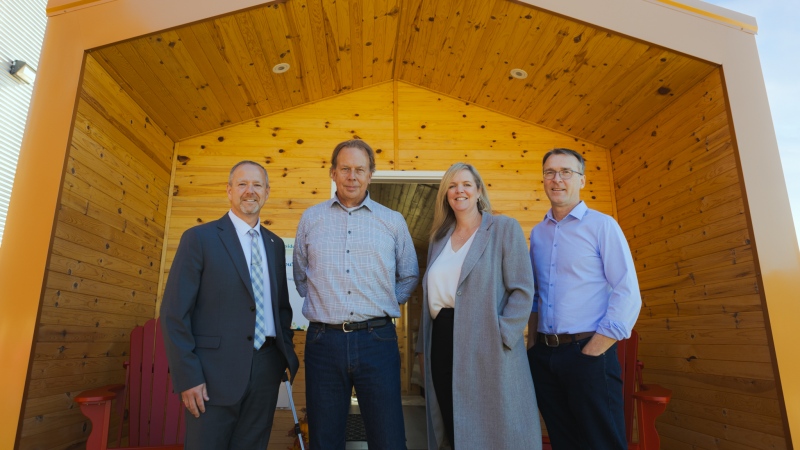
[443,215]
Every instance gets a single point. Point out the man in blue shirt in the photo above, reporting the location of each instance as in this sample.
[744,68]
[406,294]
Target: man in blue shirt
[586,299]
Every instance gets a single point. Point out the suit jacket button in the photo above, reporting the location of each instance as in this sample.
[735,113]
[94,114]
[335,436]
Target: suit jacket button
[252,308]
[249,338]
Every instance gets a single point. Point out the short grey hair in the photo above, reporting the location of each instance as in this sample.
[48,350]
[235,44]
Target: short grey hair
[241,163]
[566,151]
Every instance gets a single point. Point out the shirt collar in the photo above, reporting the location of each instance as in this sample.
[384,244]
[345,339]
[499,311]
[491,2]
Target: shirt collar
[367,203]
[242,227]
[578,212]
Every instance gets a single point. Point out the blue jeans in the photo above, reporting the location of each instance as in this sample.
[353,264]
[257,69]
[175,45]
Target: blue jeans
[335,363]
[579,396]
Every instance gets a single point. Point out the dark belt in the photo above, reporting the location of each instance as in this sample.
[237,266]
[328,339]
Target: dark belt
[554,340]
[355,326]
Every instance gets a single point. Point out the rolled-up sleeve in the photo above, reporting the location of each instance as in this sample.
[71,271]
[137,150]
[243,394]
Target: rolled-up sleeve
[625,300]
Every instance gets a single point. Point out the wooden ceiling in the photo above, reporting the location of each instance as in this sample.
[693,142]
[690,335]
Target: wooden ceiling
[582,80]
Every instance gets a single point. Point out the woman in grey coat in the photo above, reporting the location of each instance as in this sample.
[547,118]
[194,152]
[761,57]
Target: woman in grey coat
[478,292]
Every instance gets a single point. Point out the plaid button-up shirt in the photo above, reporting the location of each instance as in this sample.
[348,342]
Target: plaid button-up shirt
[353,264]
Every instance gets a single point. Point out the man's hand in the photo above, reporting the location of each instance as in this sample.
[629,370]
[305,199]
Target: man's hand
[194,399]
[597,345]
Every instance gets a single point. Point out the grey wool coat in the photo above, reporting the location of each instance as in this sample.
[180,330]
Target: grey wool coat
[494,402]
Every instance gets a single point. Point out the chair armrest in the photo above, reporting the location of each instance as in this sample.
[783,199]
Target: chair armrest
[96,405]
[99,395]
[652,401]
[653,393]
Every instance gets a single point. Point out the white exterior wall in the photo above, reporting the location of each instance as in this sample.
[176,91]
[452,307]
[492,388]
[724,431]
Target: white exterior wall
[22,24]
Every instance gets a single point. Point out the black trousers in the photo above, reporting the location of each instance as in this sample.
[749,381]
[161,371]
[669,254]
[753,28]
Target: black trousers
[579,396]
[247,424]
[442,367]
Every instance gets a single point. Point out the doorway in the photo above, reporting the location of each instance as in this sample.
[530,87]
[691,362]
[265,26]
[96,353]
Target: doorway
[413,195]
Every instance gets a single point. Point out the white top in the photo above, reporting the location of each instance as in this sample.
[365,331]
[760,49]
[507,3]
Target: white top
[443,276]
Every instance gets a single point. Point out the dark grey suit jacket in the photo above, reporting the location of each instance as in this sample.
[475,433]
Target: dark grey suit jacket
[208,312]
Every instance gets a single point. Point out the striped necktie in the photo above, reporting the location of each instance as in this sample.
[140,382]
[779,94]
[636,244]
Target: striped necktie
[257,277]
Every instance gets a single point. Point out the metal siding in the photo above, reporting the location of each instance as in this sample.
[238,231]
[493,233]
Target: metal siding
[22,24]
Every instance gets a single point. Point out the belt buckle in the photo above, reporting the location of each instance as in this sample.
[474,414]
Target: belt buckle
[547,340]
[344,325]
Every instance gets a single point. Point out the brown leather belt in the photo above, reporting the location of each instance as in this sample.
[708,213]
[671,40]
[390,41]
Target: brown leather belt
[554,340]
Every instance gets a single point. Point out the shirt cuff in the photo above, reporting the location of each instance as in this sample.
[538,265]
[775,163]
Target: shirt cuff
[613,330]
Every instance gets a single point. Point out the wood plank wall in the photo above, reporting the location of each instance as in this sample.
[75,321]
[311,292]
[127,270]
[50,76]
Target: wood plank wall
[676,187]
[435,131]
[432,131]
[105,263]
[702,325]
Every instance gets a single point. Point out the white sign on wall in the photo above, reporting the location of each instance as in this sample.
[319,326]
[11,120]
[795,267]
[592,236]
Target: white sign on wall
[299,322]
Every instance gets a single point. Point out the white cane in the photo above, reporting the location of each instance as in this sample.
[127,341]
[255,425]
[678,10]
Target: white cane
[294,411]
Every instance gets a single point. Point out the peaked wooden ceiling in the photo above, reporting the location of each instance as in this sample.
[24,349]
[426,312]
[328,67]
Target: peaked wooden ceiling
[583,81]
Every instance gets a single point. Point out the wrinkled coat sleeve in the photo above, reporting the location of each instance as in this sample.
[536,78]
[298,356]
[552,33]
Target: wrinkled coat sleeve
[518,281]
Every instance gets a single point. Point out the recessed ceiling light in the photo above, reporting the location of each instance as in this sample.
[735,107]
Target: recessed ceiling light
[280,68]
[519,74]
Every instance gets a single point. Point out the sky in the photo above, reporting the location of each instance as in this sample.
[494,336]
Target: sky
[777,32]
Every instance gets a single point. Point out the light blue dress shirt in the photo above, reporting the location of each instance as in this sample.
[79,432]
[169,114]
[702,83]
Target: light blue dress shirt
[584,275]
[353,264]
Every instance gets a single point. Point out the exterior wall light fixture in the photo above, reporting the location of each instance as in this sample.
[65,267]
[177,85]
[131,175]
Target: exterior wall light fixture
[22,71]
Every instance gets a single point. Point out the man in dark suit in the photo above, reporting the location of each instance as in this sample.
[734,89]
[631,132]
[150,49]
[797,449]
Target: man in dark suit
[226,319]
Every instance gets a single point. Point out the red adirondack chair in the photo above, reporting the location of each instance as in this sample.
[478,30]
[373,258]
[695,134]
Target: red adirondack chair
[155,413]
[649,400]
